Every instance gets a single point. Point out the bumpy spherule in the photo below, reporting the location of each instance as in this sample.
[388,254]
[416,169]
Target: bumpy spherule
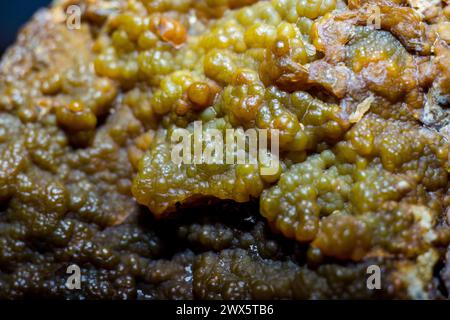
[85,132]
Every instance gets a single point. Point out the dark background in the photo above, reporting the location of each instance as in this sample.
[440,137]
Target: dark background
[13,15]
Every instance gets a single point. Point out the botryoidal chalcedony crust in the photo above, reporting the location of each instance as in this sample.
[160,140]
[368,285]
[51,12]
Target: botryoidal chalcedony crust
[86,177]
